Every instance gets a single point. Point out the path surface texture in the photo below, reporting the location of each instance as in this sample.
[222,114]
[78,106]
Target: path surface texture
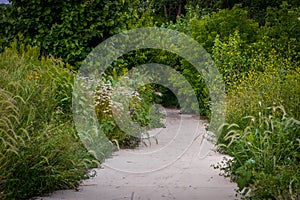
[177,167]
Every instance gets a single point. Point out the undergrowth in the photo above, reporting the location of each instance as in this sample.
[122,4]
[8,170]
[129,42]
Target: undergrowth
[265,155]
[39,149]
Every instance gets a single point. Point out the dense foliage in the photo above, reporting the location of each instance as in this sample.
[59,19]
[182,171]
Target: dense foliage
[255,45]
[67,29]
[266,156]
[141,108]
[262,73]
[260,67]
[39,148]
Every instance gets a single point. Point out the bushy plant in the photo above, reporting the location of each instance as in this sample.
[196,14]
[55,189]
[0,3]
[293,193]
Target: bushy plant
[140,106]
[265,162]
[5,37]
[235,58]
[266,155]
[282,25]
[259,75]
[67,29]
[227,31]
[256,73]
[103,107]
[231,58]
[264,89]
[223,23]
[39,149]
[195,79]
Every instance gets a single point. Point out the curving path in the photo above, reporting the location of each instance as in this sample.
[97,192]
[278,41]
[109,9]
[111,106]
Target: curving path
[171,169]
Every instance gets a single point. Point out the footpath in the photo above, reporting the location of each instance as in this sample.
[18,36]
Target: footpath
[174,167]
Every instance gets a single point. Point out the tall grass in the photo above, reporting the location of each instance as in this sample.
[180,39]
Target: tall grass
[266,155]
[260,90]
[264,142]
[39,149]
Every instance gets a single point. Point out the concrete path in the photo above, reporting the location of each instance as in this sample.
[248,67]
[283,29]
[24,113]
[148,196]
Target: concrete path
[175,168]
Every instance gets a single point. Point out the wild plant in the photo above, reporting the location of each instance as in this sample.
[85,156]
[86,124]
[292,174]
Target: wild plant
[40,151]
[265,155]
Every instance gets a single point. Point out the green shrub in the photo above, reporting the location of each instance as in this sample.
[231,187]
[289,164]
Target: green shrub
[223,23]
[39,149]
[228,26]
[140,107]
[259,75]
[266,155]
[235,58]
[67,29]
[265,149]
[282,25]
[264,89]
[5,36]
[231,58]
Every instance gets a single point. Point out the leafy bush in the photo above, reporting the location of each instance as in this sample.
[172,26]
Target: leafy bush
[265,150]
[67,29]
[39,149]
[266,155]
[282,25]
[264,89]
[5,37]
[199,88]
[260,74]
[235,58]
[231,58]
[208,31]
[223,23]
[257,73]
[140,107]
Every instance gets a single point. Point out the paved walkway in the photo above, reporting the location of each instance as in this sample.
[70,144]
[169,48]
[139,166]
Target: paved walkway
[175,168]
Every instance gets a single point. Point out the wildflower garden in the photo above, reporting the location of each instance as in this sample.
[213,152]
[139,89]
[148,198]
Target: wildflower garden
[255,45]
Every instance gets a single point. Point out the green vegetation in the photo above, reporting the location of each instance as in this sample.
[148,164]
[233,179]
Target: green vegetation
[67,29]
[255,45]
[39,148]
[260,67]
[265,154]
[140,107]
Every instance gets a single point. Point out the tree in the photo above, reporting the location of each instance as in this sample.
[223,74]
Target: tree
[70,28]
[224,23]
[5,23]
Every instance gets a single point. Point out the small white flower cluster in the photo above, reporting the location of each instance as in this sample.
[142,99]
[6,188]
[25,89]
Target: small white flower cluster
[103,99]
[104,102]
[136,95]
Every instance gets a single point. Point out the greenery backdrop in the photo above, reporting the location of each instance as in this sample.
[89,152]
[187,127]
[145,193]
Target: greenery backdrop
[255,45]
